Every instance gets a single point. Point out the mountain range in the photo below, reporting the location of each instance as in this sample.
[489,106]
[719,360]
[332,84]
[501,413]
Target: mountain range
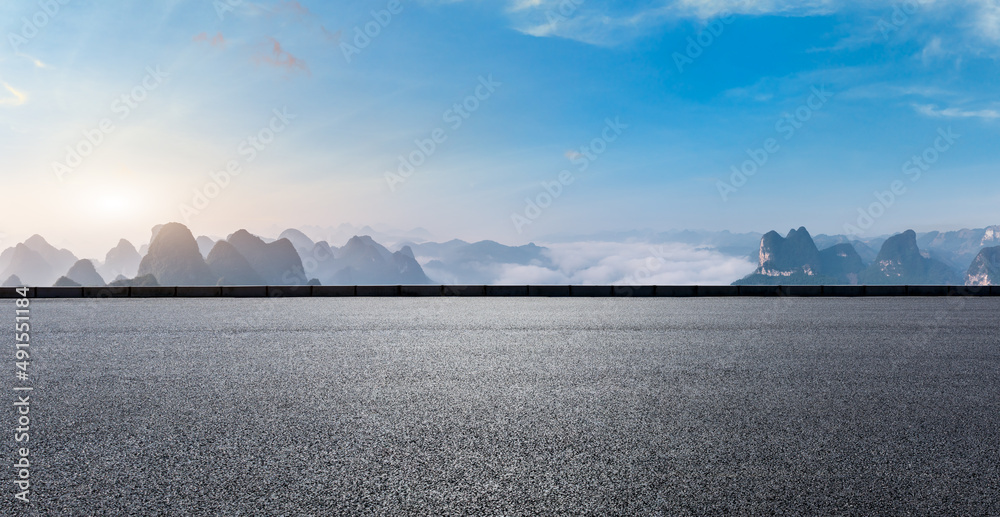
[796,260]
[174,256]
[955,248]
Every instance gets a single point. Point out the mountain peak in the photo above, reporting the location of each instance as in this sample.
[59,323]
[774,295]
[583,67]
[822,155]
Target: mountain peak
[174,259]
[901,262]
[242,234]
[84,273]
[985,269]
[231,267]
[37,240]
[784,256]
[30,266]
[900,247]
[795,259]
[799,233]
[277,263]
[123,259]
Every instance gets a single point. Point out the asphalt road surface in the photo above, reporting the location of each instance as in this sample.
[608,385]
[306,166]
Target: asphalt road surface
[522,406]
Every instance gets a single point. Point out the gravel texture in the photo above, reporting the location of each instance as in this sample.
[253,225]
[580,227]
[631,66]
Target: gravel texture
[858,406]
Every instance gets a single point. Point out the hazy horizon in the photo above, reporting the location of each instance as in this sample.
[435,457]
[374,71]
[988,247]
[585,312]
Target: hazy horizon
[95,249]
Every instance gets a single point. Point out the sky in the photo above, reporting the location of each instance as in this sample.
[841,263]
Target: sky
[512,120]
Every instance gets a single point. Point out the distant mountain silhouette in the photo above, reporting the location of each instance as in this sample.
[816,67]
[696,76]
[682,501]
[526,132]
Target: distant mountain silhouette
[900,262]
[30,267]
[302,243]
[321,251]
[205,245]
[460,262]
[123,260]
[795,260]
[59,259]
[174,259]
[364,261]
[84,273]
[736,244]
[230,267]
[277,262]
[12,281]
[139,281]
[955,248]
[35,261]
[960,247]
[389,237]
[842,262]
[863,249]
[985,268]
[65,282]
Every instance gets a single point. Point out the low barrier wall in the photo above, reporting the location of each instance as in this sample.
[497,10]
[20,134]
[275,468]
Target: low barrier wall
[577,291]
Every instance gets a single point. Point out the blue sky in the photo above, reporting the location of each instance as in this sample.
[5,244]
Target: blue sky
[895,76]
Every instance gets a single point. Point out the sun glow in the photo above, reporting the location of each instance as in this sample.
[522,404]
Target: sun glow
[113,204]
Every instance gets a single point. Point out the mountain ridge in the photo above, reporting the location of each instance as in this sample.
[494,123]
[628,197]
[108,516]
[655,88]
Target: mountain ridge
[796,258]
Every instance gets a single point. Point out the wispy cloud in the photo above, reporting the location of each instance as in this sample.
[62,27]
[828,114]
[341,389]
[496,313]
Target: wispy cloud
[16,97]
[216,41]
[932,50]
[35,61]
[988,18]
[520,5]
[933,111]
[279,57]
[611,23]
[712,8]
[291,7]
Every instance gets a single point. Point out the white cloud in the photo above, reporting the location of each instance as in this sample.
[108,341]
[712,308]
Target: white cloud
[15,97]
[603,263]
[520,5]
[610,23]
[933,111]
[932,50]
[988,18]
[711,8]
